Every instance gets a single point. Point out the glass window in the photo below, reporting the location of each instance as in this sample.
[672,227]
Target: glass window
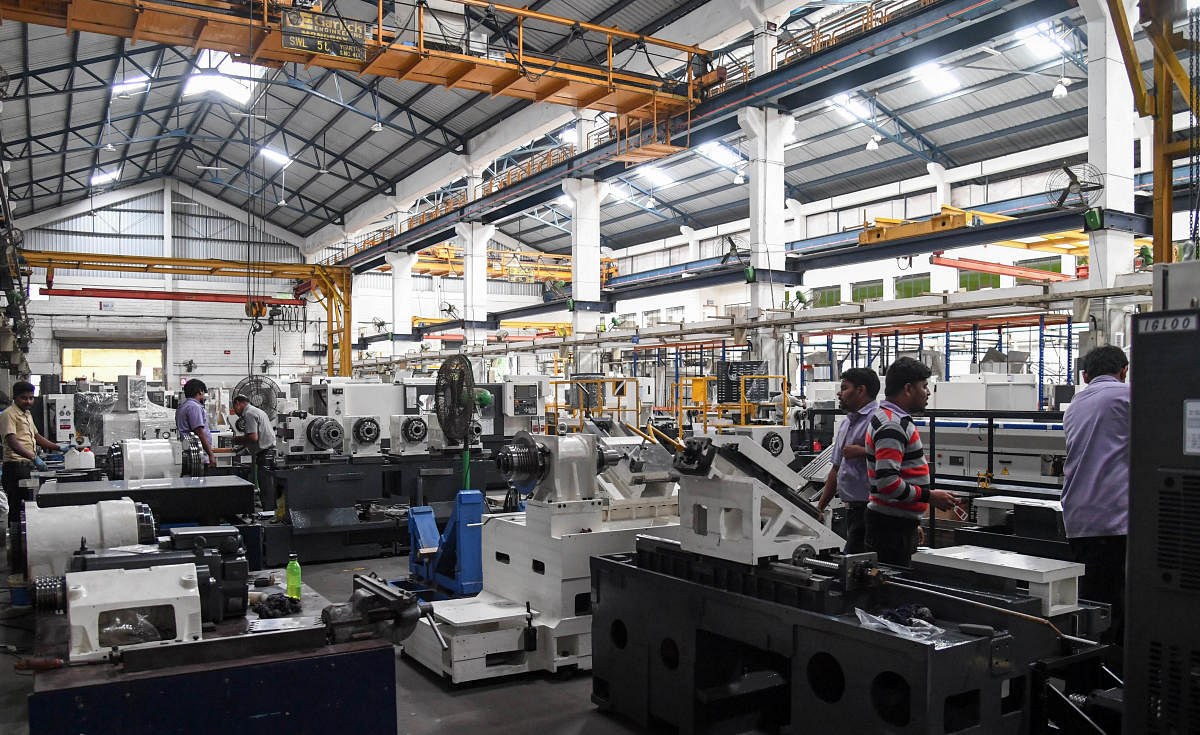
[866,291]
[909,286]
[675,314]
[1053,264]
[827,296]
[650,318]
[970,281]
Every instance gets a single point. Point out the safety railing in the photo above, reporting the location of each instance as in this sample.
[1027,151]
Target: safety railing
[730,415]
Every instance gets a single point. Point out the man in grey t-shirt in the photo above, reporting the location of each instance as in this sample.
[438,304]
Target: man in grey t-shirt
[258,436]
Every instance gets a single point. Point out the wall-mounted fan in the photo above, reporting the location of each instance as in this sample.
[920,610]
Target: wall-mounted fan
[1074,186]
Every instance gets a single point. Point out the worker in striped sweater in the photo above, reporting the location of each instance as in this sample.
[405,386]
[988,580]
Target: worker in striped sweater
[897,467]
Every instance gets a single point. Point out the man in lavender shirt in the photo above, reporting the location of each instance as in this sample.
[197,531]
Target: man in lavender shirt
[191,418]
[1095,496]
[848,476]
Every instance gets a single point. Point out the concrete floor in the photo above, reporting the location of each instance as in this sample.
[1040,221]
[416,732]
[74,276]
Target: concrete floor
[425,704]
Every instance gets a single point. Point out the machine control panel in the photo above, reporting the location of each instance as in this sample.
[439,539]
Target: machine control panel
[60,417]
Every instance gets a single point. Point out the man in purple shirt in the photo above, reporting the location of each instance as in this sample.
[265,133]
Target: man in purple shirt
[191,418]
[848,476]
[1095,496]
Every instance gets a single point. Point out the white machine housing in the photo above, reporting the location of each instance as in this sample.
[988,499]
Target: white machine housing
[1028,451]
[105,606]
[294,440]
[540,557]
[987,392]
[362,435]
[439,441]
[53,534]
[410,435]
[728,513]
[343,398]
[150,459]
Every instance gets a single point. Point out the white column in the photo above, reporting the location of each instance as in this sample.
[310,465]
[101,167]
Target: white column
[586,196]
[1110,119]
[474,237]
[767,131]
[402,294]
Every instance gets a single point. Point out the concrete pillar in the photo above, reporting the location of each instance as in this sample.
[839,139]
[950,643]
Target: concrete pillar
[941,187]
[402,295]
[767,131]
[586,196]
[1110,119]
[474,238]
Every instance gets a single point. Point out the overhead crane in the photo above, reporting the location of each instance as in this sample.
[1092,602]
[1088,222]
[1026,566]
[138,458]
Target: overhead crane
[270,34]
[513,265]
[331,285]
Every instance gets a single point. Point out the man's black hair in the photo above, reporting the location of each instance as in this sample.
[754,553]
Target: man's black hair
[21,388]
[865,377]
[239,398]
[194,387]
[903,371]
[1105,360]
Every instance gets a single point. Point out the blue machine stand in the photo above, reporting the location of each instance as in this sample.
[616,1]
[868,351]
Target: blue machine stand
[450,562]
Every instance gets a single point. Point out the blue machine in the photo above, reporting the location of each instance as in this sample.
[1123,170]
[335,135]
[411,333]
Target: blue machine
[450,562]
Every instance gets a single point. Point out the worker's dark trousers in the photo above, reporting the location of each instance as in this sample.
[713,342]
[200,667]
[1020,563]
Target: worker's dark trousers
[892,538]
[1103,558]
[856,527]
[13,473]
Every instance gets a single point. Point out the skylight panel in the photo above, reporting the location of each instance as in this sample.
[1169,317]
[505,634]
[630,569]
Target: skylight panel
[217,72]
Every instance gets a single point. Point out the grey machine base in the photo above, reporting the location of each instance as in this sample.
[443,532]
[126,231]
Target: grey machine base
[326,513]
[707,646]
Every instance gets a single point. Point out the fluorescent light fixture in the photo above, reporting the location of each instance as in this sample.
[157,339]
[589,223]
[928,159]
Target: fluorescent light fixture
[720,154]
[282,202]
[131,86]
[1029,240]
[275,156]
[1060,89]
[567,135]
[655,176]
[211,168]
[110,148]
[873,144]
[739,179]
[100,178]
[937,78]
[563,200]
[852,107]
[1042,41]
[377,126]
[217,72]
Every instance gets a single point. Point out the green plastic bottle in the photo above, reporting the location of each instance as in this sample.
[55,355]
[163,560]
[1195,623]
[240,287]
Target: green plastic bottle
[293,577]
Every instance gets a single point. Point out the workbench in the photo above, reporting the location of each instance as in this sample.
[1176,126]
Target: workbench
[315,688]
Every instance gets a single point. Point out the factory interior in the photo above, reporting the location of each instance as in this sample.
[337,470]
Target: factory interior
[339,391]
